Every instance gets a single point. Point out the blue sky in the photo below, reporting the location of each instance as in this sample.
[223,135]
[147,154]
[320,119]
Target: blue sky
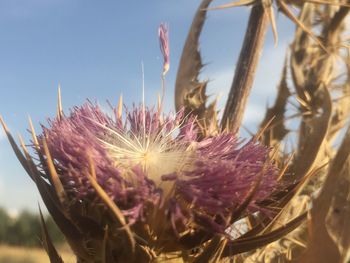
[95,49]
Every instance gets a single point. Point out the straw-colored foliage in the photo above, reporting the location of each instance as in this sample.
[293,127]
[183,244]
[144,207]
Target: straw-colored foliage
[313,95]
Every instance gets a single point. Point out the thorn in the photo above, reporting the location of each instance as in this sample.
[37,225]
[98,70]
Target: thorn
[59,103]
[268,9]
[120,106]
[4,126]
[285,167]
[159,103]
[264,129]
[32,130]
[21,141]
[275,150]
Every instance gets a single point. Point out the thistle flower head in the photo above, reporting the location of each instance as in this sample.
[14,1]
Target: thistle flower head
[137,185]
[146,178]
[148,158]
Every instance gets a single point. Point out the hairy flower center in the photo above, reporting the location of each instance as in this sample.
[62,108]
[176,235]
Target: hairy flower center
[156,162]
[158,155]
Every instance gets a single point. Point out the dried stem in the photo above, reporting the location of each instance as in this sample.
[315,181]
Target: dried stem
[246,67]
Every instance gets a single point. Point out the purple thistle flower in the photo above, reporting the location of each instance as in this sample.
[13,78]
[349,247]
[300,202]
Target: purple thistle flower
[163,33]
[157,160]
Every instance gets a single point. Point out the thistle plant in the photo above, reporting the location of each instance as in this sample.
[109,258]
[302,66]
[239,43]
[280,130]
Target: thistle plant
[144,187]
[140,185]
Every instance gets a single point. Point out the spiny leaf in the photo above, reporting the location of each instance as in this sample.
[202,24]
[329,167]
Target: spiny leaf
[49,197]
[15,148]
[190,62]
[338,216]
[321,248]
[47,242]
[312,142]
[251,243]
[277,131]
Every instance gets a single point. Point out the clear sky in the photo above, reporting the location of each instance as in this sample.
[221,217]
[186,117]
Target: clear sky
[95,49]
